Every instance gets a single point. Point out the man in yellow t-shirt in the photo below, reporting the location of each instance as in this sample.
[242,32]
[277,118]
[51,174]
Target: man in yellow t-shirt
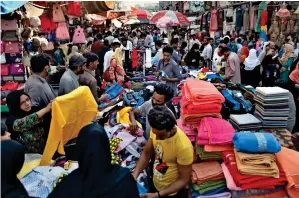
[173,155]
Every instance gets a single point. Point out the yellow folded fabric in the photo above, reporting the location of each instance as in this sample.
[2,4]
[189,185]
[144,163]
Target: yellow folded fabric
[70,113]
[123,116]
[257,164]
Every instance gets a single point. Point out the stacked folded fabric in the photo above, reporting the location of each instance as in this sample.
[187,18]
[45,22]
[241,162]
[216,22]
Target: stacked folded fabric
[245,122]
[207,179]
[245,181]
[200,99]
[213,132]
[275,193]
[283,136]
[289,160]
[272,106]
[188,129]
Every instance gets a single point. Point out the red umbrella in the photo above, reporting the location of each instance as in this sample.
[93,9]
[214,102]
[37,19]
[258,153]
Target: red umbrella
[177,17]
[141,14]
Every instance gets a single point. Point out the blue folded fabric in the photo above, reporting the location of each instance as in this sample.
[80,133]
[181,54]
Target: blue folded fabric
[214,76]
[230,101]
[142,190]
[256,142]
[114,91]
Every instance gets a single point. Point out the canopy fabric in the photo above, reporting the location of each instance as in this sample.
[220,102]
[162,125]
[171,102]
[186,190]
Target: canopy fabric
[95,17]
[116,23]
[141,14]
[132,21]
[297,11]
[177,17]
[33,11]
[10,6]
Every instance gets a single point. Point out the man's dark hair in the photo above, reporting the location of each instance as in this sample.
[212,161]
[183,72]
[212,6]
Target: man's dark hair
[225,49]
[168,50]
[282,84]
[124,39]
[174,41]
[134,34]
[161,118]
[226,40]
[106,43]
[184,44]
[99,36]
[109,33]
[3,128]
[239,40]
[158,43]
[211,39]
[90,57]
[165,90]
[56,44]
[39,62]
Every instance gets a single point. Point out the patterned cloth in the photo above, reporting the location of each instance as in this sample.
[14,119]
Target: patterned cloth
[113,146]
[283,136]
[32,133]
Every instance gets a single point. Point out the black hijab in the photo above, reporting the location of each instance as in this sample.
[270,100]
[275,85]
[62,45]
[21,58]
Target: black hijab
[12,160]
[96,176]
[15,112]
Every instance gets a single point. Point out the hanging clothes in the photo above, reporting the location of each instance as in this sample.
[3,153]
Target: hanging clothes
[220,19]
[253,18]
[262,7]
[246,20]
[239,19]
[134,59]
[214,21]
[148,58]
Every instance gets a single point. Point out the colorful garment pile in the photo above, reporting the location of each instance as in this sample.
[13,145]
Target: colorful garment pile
[208,180]
[245,122]
[200,99]
[272,106]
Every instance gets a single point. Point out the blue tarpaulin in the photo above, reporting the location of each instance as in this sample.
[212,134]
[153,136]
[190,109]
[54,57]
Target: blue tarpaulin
[10,6]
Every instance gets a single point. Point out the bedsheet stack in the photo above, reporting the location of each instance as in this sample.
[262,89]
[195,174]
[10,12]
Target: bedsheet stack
[200,99]
[245,122]
[272,106]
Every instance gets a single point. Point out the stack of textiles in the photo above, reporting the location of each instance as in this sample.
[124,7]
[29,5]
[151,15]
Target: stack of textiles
[289,160]
[272,106]
[200,99]
[213,132]
[245,122]
[208,180]
[188,129]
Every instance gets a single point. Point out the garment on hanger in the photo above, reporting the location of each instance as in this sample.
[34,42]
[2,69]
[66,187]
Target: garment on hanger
[220,19]
[229,15]
[239,19]
[214,21]
[148,58]
[246,20]
[262,7]
[253,18]
[134,59]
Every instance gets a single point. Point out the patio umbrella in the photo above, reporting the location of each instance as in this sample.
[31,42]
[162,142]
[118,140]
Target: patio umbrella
[140,14]
[177,17]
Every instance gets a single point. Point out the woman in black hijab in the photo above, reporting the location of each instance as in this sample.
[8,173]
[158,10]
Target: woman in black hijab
[96,177]
[26,123]
[12,160]
[192,59]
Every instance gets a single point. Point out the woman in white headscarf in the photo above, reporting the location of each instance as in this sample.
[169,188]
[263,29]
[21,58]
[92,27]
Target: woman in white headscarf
[251,74]
[74,51]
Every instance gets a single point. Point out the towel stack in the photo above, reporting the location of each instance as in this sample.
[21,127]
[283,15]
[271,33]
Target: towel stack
[245,122]
[200,99]
[252,164]
[208,180]
[214,135]
[272,106]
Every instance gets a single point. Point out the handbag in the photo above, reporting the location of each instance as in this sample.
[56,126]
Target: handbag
[11,47]
[9,24]
[4,70]
[13,58]
[58,14]
[79,36]
[10,35]
[17,69]
[3,59]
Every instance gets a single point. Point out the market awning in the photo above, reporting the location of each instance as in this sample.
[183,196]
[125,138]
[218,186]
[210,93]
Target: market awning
[10,6]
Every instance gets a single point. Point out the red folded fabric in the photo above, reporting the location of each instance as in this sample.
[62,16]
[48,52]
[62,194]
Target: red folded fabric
[249,181]
[201,92]
[196,118]
[218,148]
[188,107]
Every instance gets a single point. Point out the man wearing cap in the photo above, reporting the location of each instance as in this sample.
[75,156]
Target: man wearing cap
[108,55]
[70,79]
[88,77]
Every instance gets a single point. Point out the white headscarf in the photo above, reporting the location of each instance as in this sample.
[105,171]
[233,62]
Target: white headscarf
[251,61]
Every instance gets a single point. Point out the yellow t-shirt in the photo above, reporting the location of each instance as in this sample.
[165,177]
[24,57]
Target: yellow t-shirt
[168,153]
